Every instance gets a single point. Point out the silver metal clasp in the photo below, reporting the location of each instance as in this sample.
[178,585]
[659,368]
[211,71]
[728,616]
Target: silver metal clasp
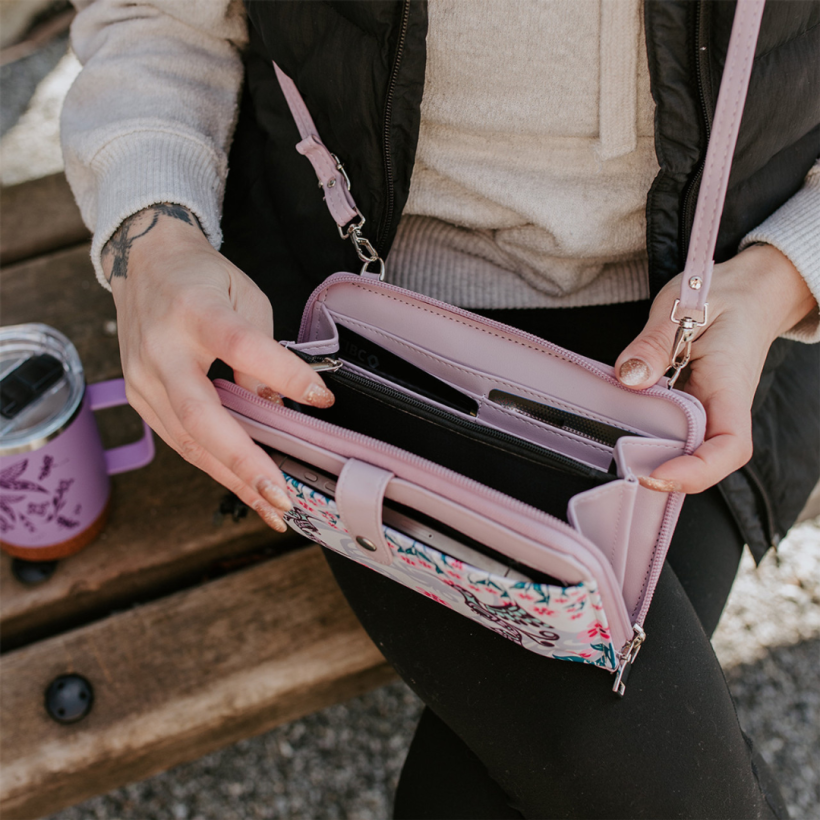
[627,657]
[364,249]
[682,347]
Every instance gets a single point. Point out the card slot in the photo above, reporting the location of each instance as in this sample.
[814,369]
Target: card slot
[587,440]
[542,478]
[476,381]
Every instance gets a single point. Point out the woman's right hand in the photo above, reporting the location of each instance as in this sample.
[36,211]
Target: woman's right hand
[181,305]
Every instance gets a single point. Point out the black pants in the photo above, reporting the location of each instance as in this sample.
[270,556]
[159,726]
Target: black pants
[507,733]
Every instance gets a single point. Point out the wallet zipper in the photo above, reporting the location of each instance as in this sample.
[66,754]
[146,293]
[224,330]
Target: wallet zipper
[566,355]
[243,396]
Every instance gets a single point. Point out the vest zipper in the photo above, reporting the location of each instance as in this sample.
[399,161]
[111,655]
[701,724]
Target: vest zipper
[384,229]
[690,197]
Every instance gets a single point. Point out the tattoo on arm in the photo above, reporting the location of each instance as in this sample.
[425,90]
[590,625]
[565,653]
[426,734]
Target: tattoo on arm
[118,247]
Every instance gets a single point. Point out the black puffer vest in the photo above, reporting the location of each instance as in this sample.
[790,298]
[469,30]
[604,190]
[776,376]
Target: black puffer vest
[360,66]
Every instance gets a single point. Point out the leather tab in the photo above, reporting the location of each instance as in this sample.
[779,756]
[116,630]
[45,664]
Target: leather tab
[359,498]
[697,275]
[339,201]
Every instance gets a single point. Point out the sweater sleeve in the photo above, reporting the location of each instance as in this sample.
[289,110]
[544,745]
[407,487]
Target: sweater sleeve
[151,115]
[794,229]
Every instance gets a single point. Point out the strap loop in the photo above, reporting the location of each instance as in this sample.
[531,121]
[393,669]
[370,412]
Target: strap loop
[333,178]
[697,273]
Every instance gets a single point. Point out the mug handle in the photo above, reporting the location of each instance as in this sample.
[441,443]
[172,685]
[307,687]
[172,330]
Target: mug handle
[130,456]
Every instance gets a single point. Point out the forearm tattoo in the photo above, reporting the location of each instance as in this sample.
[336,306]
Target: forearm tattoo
[117,248]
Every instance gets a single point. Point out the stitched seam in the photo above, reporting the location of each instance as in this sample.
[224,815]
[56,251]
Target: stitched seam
[648,445]
[787,43]
[709,222]
[462,322]
[585,502]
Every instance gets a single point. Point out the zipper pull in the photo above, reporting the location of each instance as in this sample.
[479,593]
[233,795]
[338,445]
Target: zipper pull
[326,365]
[627,655]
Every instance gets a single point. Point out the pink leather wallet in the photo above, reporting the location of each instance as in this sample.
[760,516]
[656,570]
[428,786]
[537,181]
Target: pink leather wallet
[603,554]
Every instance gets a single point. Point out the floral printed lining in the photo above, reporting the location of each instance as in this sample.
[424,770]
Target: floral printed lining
[566,623]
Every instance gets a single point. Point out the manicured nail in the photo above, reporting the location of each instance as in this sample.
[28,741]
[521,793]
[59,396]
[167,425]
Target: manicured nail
[634,371]
[267,514]
[318,396]
[264,392]
[661,485]
[273,494]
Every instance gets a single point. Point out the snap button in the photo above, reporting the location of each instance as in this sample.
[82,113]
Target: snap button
[366,543]
[69,698]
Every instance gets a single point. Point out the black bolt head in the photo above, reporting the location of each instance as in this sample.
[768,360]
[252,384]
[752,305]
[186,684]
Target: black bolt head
[69,698]
[32,573]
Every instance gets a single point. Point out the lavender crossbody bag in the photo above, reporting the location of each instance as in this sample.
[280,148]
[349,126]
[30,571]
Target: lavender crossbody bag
[482,466]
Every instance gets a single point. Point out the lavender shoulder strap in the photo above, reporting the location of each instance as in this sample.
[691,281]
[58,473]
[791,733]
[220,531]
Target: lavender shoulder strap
[690,310]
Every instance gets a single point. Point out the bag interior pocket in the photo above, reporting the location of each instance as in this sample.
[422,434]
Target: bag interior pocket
[533,474]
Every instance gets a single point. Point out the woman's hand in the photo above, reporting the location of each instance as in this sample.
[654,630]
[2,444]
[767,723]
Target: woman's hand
[180,306]
[754,298]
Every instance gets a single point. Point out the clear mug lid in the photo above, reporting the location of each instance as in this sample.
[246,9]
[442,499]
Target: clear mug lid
[42,385]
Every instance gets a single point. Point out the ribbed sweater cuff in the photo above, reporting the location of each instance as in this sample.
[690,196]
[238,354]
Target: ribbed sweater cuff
[143,168]
[794,229]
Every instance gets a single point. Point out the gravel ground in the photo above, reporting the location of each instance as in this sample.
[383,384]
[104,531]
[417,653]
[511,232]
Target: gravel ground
[19,80]
[344,762]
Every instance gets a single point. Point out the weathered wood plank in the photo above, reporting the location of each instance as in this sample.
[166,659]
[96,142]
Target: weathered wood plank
[60,290]
[161,533]
[161,528]
[179,677]
[37,217]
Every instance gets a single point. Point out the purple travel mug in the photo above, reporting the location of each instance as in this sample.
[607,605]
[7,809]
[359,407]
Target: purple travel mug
[54,473]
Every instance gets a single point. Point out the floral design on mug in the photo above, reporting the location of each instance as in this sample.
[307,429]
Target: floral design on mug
[567,623]
[20,509]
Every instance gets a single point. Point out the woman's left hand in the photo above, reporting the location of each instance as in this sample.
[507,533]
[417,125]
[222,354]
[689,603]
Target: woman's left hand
[754,298]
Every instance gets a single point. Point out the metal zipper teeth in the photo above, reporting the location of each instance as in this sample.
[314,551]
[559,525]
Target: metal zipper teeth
[561,462]
[664,537]
[388,116]
[456,479]
[567,355]
[693,188]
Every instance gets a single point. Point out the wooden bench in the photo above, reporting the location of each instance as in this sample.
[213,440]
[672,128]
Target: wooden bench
[195,630]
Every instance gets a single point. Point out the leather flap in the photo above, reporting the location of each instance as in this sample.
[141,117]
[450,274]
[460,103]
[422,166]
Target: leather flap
[359,498]
[604,515]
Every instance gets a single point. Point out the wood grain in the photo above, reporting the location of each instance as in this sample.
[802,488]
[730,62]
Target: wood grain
[60,290]
[37,217]
[179,677]
[162,528]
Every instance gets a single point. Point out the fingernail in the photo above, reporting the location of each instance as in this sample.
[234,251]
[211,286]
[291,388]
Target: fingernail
[318,396]
[634,371]
[661,485]
[264,392]
[267,514]
[273,494]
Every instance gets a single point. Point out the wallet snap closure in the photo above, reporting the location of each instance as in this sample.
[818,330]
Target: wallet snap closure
[359,497]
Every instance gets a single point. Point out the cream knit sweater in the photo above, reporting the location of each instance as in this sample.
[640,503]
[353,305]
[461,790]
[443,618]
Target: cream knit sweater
[534,160]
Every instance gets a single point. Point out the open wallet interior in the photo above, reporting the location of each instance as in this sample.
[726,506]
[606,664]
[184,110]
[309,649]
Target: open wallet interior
[551,430]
